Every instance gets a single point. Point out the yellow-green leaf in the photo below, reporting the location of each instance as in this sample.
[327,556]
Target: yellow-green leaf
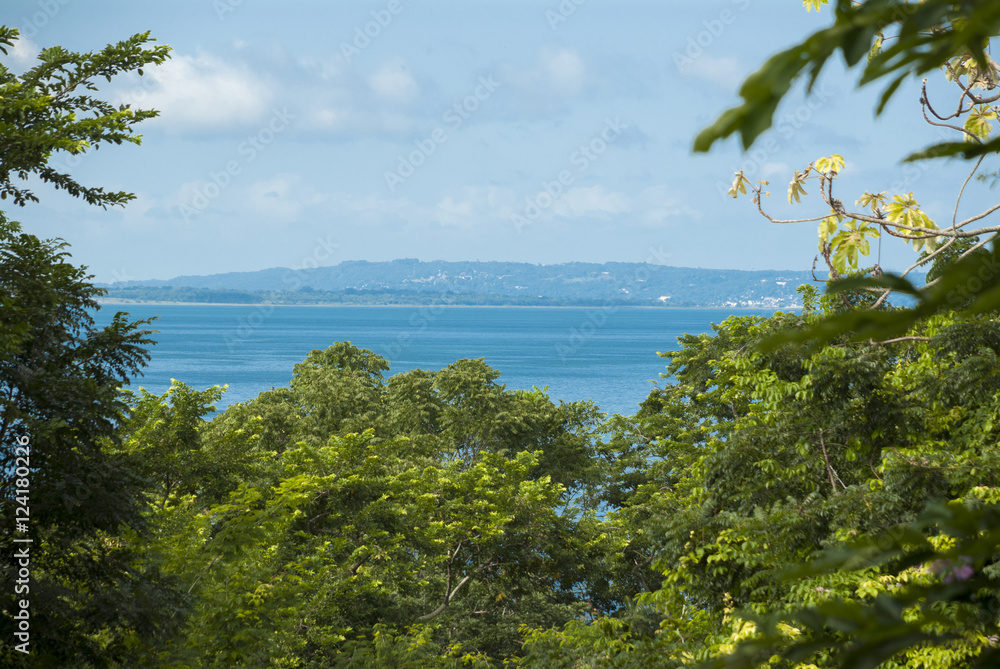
[739,185]
[851,242]
[979,124]
[827,227]
[834,163]
[876,48]
[796,188]
[872,200]
[906,211]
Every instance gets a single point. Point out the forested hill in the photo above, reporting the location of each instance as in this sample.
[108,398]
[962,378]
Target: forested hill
[413,282]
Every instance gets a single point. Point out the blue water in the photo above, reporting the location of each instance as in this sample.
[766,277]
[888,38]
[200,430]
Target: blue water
[607,355]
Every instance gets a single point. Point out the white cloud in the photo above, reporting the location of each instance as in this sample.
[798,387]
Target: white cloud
[565,71]
[281,199]
[656,204]
[590,201]
[548,83]
[724,71]
[768,170]
[187,194]
[373,208]
[135,213]
[475,205]
[451,211]
[201,91]
[394,83]
[330,119]
[342,102]
[24,51]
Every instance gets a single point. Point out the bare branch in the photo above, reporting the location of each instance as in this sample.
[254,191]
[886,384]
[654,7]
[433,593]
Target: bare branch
[899,339]
[954,215]
[829,468]
[447,600]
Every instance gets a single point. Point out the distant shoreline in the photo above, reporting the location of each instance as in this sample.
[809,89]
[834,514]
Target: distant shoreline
[125,303]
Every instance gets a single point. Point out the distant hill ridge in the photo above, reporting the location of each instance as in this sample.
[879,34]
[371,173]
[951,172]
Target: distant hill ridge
[414,281]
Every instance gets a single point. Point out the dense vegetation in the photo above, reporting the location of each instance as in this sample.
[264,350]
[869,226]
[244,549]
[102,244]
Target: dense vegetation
[816,489]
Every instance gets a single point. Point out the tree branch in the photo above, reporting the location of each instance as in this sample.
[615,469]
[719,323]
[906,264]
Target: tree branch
[447,600]
[829,468]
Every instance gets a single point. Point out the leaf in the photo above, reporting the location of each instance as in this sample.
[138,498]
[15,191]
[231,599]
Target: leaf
[813,4]
[872,200]
[739,185]
[796,188]
[975,276]
[849,243]
[890,281]
[876,47]
[905,210]
[927,38]
[834,164]
[979,122]
[964,149]
[827,227]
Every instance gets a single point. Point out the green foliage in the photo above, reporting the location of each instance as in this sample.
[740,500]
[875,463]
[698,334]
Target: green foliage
[752,462]
[886,582]
[806,490]
[850,242]
[940,602]
[906,211]
[60,378]
[96,598]
[461,514]
[180,455]
[50,108]
[929,35]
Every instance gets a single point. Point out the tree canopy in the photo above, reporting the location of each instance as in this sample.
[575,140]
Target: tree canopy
[813,489]
[71,506]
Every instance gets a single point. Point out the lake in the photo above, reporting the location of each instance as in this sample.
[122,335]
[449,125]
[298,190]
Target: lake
[605,354]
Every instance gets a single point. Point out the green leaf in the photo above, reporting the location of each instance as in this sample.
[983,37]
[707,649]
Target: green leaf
[966,150]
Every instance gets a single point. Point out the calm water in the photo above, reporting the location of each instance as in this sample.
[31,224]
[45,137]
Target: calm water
[605,355]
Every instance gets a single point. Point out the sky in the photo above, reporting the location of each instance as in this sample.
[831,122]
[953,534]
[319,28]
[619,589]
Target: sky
[305,133]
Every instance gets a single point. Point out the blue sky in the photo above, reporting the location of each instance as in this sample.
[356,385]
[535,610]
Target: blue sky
[306,133]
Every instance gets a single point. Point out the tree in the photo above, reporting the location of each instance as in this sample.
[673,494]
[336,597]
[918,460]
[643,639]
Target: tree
[49,109]
[901,39]
[749,464]
[944,561]
[457,517]
[867,454]
[60,379]
[91,599]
